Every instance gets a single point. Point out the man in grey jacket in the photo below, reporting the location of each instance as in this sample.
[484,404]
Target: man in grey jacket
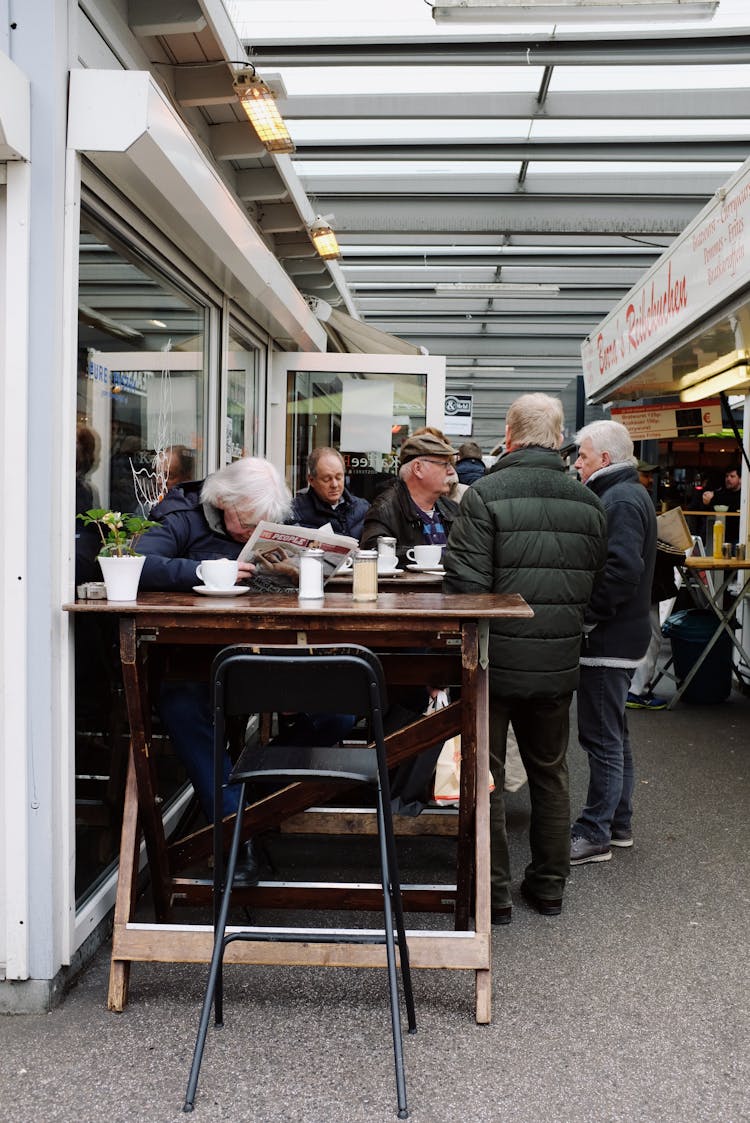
[617,636]
[528,527]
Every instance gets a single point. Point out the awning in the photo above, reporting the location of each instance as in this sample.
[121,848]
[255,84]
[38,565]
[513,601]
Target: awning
[352,337]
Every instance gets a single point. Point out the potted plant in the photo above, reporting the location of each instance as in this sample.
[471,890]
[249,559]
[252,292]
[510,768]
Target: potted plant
[121,565]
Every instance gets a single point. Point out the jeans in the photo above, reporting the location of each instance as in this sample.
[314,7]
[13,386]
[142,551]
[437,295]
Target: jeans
[603,734]
[541,726]
[185,709]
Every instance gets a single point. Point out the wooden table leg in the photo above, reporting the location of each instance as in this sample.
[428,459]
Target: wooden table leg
[467,804]
[127,878]
[150,813]
[482,829]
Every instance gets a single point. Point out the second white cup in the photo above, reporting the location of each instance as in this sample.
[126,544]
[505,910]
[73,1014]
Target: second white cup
[425,555]
[218,573]
[387,563]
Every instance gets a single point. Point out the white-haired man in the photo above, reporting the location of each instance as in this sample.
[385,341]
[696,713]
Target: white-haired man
[617,636]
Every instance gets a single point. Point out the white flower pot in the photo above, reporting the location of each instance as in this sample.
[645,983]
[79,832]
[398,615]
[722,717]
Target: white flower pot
[121,576]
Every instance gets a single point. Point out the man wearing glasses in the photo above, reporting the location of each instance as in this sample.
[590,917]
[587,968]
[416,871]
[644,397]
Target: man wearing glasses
[415,510]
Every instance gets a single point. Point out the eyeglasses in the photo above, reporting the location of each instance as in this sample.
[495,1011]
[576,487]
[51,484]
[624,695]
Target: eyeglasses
[446,463]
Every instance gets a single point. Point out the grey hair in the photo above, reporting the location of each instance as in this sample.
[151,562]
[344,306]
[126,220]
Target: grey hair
[252,484]
[536,419]
[611,437]
[314,458]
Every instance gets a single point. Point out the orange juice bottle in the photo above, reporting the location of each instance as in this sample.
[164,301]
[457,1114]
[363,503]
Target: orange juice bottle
[718,537]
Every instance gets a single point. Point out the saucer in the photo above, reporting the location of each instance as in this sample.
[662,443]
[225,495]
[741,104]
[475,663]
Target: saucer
[390,572]
[235,591]
[425,568]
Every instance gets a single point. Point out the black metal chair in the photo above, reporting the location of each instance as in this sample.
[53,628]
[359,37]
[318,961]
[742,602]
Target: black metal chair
[260,680]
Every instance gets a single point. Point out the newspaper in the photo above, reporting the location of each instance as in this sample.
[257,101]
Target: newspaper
[276,549]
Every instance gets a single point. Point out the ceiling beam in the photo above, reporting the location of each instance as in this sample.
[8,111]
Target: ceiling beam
[666,48]
[674,182]
[165,17]
[661,149]
[607,105]
[465,217]
[235,141]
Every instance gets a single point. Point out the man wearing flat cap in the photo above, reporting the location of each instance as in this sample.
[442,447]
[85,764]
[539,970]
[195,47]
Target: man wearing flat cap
[415,510]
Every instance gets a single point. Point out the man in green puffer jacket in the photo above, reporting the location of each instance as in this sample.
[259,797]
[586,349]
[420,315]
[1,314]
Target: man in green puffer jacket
[528,527]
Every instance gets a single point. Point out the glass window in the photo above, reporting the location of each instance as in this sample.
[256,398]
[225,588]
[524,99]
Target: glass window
[141,393]
[242,421]
[366,416]
[141,377]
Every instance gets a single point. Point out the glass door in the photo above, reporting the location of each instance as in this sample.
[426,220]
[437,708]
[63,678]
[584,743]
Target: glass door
[363,405]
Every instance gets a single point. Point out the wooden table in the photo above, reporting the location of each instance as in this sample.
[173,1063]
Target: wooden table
[450,633]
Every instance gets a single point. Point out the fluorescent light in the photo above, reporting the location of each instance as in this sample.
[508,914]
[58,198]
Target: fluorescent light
[493,286]
[570,11]
[736,379]
[259,103]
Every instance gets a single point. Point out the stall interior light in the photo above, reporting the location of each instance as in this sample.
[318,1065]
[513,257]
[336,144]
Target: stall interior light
[324,239]
[259,103]
[737,379]
[569,11]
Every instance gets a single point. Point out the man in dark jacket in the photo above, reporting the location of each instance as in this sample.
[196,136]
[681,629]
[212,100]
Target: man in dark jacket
[326,499]
[528,527]
[415,510]
[617,636]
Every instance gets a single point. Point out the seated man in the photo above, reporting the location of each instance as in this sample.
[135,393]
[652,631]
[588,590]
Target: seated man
[326,499]
[415,510]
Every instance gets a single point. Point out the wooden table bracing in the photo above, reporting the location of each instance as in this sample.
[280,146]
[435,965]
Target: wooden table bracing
[449,633]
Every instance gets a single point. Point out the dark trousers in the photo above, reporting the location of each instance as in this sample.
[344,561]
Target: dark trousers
[541,726]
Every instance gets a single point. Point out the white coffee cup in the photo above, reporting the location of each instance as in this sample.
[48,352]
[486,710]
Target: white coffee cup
[218,573]
[387,563]
[425,556]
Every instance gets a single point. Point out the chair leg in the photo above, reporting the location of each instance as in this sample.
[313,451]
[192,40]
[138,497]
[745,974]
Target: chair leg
[398,910]
[214,988]
[398,1047]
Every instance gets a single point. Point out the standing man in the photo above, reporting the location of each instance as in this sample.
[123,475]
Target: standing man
[528,527]
[415,510]
[326,499]
[727,496]
[617,637]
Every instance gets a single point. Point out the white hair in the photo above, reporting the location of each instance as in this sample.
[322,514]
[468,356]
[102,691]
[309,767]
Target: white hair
[252,484]
[611,437]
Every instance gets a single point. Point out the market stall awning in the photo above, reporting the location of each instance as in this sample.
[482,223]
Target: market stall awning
[684,330]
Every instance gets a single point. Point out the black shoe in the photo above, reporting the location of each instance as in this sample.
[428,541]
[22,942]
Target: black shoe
[247,870]
[547,906]
[502,915]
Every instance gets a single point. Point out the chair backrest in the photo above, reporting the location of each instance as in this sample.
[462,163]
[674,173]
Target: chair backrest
[346,678]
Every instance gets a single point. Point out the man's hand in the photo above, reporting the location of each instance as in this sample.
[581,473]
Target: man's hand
[707,498]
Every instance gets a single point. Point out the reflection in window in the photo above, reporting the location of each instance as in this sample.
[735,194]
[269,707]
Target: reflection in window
[334,409]
[141,380]
[241,423]
[140,400]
